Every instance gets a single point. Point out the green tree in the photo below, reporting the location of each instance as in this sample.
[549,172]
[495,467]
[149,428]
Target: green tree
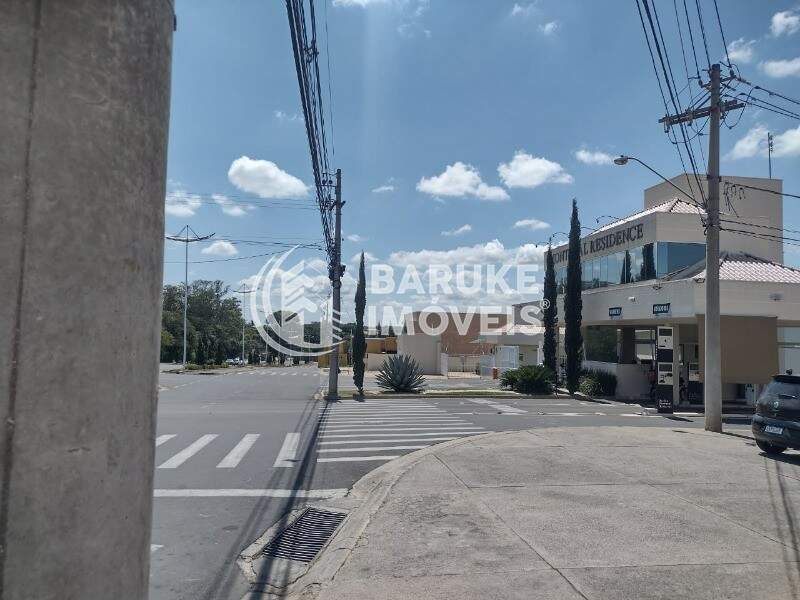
[359,344]
[391,333]
[549,314]
[378,330]
[200,354]
[573,304]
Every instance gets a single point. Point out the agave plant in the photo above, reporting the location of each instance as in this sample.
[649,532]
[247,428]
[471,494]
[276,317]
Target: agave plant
[400,373]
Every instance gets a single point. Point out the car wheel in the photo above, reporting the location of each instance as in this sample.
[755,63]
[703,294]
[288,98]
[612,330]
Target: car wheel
[770,448]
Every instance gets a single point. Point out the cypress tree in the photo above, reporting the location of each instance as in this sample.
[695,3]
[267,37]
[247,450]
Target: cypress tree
[359,344]
[549,314]
[573,303]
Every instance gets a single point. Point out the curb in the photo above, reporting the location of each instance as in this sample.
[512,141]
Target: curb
[369,494]
[584,397]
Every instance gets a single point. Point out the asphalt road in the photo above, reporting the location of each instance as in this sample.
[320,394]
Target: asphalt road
[238,450]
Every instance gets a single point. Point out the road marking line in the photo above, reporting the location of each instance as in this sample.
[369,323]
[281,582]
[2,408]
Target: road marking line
[366,435]
[510,410]
[164,438]
[397,420]
[288,453]
[249,493]
[235,456]
[384,413]
[390,441]
[356,458]
[443,429]
[190,450]
[373,448]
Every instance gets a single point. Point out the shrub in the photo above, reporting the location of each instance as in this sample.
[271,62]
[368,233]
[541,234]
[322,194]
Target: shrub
[590,386]
[400,373]
[531,379]
[603,383]
[509,379]
[534,379]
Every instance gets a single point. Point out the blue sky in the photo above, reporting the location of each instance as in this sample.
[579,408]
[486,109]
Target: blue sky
[457,116]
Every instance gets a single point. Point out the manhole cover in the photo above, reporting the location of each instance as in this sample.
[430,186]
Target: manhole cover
[306,536]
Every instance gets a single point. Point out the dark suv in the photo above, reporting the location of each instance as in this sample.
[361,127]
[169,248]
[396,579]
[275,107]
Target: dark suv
[776,424]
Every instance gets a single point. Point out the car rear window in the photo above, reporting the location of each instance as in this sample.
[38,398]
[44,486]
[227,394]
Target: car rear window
[780,389]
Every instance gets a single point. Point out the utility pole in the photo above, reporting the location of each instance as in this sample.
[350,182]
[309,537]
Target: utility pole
[769,152]
[712,377]
[336,284]
[186,240]
[243,290]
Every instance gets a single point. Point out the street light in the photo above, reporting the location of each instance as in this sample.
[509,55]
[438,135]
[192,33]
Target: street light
[623,160]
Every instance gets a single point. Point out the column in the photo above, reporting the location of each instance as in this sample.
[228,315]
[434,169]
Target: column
[84,111]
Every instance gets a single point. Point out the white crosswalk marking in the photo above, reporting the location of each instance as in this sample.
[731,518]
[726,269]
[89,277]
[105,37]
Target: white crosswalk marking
[366,435]
[356,458]
[374,448]
[164,438]
[185,454]
[390,441]
[235,456]
[288,453]
[367,429]
[351,431]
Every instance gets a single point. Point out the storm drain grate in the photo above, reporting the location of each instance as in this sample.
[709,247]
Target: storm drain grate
[304,538]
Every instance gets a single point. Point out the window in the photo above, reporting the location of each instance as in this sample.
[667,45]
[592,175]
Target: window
[603,271]
[673,256]
[600,343]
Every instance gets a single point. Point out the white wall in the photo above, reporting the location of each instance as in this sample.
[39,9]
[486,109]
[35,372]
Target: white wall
[425,349]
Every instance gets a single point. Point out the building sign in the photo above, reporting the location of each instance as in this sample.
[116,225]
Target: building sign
[624,236]
[615,311]
[661,309]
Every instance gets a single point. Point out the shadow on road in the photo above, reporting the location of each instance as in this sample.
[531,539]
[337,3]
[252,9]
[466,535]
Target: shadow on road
[301,477]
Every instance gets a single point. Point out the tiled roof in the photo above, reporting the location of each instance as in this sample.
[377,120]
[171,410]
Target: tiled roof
[739,266]
[670,206]
[675,206]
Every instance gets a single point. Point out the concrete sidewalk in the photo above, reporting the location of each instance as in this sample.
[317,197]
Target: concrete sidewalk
[599,513]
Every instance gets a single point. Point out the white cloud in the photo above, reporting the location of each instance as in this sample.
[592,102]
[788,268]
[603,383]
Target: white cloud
[354,237]
[532,224]
[359,3]
[493,252]
[383,189]
[754,143]
[528,171]
[596,157]
[741,51]
[782,68]
[787,143]
[368,258]
[750,144]
[231,208]
[784,22]
[457,231]
[284,116]
[523,10]
[549,28]
[265,179]
[220,248]
[459,180]
[180,203]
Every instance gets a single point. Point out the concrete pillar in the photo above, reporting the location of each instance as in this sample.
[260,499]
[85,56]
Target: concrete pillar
[84,110]
[627,350]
